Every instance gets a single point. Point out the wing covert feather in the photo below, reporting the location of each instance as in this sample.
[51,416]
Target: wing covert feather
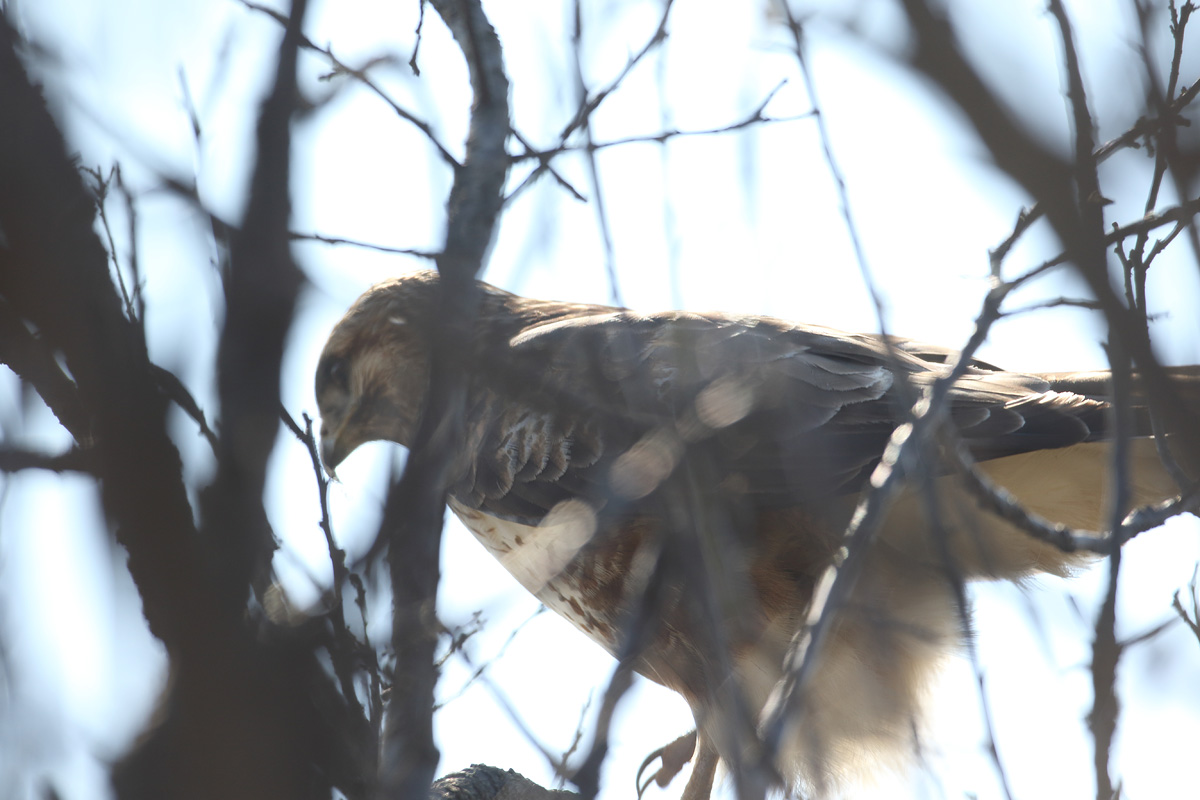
[796,411]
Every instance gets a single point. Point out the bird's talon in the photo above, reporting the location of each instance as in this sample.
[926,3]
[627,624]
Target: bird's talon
[673,757]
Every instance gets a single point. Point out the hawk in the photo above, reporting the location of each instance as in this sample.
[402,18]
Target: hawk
[598,440]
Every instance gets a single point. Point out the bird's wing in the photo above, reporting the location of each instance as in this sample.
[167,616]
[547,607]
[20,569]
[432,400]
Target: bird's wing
[792,412]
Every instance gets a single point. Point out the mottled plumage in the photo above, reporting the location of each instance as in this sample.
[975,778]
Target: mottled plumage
[578,416]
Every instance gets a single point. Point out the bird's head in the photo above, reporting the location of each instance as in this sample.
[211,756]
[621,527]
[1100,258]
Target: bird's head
[374,371]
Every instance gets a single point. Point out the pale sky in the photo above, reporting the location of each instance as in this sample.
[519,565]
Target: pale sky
[745,222]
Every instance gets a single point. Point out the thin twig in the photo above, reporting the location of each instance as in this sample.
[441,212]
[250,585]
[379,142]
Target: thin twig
[1142,129]
[1180,214]
[131,223]
[412,62]
[591,102]
[1058,302]
[1166,153]
[1192,620]
[928,495]
[361,76]
[33,361]
[755,117]
[173,388]
[835,172]
[337,556]
[101,192]
[338,240]
[583,121]
[544,164]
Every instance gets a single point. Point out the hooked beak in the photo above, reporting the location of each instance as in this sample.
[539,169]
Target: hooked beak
[333,452]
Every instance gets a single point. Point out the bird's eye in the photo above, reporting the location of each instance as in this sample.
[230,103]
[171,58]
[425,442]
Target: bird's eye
[337,373]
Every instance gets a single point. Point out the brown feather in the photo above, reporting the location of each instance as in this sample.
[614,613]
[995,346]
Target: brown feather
[578,416]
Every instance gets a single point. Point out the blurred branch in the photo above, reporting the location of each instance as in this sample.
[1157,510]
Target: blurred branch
[412,62]
[860,257]
[412,519]
[170,385]
[224,231]
[1147,635]
[927,494]
[101,191]
[1142,129]
[1066,192]
[587,777]
[73,460]
[131,221]
[1192,619]
[1181,214]
[833,589]
[33,362]
[1166,154]
[583,121]
[224,727]
[337,556]
[998,501]
[458,640]
[58,279]
[1147,127]
[261,285]
[1058,302]
[1091,260]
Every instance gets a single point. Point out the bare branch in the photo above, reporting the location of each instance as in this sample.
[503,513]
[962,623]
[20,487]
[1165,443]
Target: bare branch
[1143,128]
[261,285]
[544,165]
[74,460]
[1192,619]
[1181,214]
[412,521]
[337,240]
[590,102]
[223,729]
[756,117]
[56,276]
[33,361]
[1000,502]
[593,101]
[1166,153]
[362,77]
[170,385]
[101,191]
[583,121]
[860,255]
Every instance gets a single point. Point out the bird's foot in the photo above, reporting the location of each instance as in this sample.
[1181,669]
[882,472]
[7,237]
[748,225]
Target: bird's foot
[673,757]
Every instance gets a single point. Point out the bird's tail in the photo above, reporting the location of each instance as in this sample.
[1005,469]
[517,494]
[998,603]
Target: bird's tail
[863,707]
[1178,415]
[1071,485]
